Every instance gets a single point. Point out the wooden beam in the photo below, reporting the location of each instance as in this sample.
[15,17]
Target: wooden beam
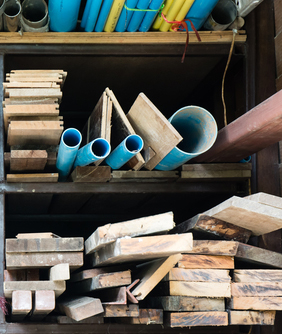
[146,316]
[59,272]
[257,275]
[189,319]
[198,275]
[94,174]
[251,317]
[256,303]
[214,247]
[191,261]
[33,178]
[257,289]
[44,303]
[21,304]
[112,311]
[144,176]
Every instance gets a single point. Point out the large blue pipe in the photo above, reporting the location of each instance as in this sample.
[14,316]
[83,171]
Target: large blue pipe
[125,16]
[85,14]
[150,16]
[96,151]
[138,16]
[63,14]
[103,15]
[127,149]
[93,15]
[68,148]
[199,131]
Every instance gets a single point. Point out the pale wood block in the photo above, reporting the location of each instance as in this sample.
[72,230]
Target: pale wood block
[112,311]
[256,303]
[60,272]
[81,307]
[146,316]
[187,319]
[251,317]
[44,303]
[94,174]
[257,289]
[21,304]
[214,247]
[257,275]
[144,176]
[33,178]
[33,92]
[106,234]
[142,248]
[28,160]
[20,84]
[27,78]
[267,199]
[198,275]
[191,261]
[36,235]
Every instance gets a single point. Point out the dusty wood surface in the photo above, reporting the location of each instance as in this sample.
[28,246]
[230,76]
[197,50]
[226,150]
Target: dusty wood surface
[198,275]
[191,261]
[256,303]
[257,289]
[91,174]
[28,160]
[252,317]
[214,247]
[257,275]
[33,178]
[144,176]
[189,319]
[112,311]
[146,316]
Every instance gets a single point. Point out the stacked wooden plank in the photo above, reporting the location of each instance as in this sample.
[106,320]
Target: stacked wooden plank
[32,122]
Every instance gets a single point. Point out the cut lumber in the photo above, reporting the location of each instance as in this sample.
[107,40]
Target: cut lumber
[20,84]
[39,260]
[257,289]
[198,275]
[151,273]
[33,178]
[112,311]
[28,160]
[33,93]
[257,275]
[44,303]
[191,261]
[155,130]
[146,316]
[141,249]
[59,272]
[267,199]
[89,273]
[63,319]
[91,174]
[214,247]
[112,296]
[81,308]
[44,245]
[106,234]
[15,275]
[36,235]
[58,286]
[189,319]
[256,303]
[203,226]
[28,78]
[251,317]
[29,101]
[144,176]
[21,304]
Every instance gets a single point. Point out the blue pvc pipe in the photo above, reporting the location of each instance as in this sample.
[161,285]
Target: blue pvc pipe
[199,12]
[85,14]
[68,148]
[199,131]
[63,14]
[96,151]
[150,16]
[127,149]
[103,15]
[137,17]
[93,15]
[125,16]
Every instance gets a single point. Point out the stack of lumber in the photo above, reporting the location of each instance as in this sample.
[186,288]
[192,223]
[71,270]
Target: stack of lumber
[32,123]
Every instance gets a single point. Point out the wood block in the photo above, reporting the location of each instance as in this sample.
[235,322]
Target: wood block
[33,178]
[189,319]
[184,303]
[191,261]
[257,217]
[44,303]
[257,289]
[90,273]
[203,226]
[58,286]
[91,174]
[28,160]
[112,296]
[44,245]
[146,316]
[14,275]
[198,275]
[36,235]
[257,275]
[21,304]
[141,249]
[32,274]
[214,247]
[59,272]
[256,303]
[28,78]
[81,308]
[151,273]
[144,176]
[112,311]
[63,319]
[267,199]
[43,260]
[155,130]
[251,317]
[106,234]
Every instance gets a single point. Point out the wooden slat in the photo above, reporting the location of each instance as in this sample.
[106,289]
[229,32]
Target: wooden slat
[257,275]
[216,167]
[144,176]
[191,261]
[214,247]
[91,174]
[29,101]
[267,199]
[21,304]
[33,93]
[189,319]
[198,275]
[34,178]
[36,235]
[256,303]
[63,319]
[20,84]
[44,303]
[251,317]
[28,160]
[146,317]
[59,272]
[112,311]
[257,289]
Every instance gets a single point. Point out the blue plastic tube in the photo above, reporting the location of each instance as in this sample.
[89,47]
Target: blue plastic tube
[127,149]
[63,14]
[125,16]
[103,15]
[85,14]
[199,12]
[137,16]
[93,15]
[198,129]
[68,148]
[96,151]
[150,16]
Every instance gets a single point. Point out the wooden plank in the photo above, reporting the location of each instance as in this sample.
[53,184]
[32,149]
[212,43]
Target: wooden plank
[155,130]
[81,308]
[63,319]
[28,160]
[191,261]
[203,226]
[107,234]
[113,296]
[14,275]
[146,316]
[216,167]
[141,249]
[144,176]
[198,275]
[246,213]
[44,303]
[21,304]
[59,272]
[213,175]
[29,101]
[58,286]
[184,303]
[43,260]
[257,275]
[75,244]
[151,274]
[20,84]
[267,199]
[36,235]
[33,178]
[236,141]
[251,317]
[257,289]
[91,174]
[256,303]
[33,93]
[90,273]
[112,311]
[214,247]
[189,319]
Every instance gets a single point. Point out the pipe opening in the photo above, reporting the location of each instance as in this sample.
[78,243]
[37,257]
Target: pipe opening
[34,12]
[12,9]
[100,147]
[134,143]
[224,12]
[72,137]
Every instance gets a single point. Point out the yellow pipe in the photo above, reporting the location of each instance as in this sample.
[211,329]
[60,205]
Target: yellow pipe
[171,15]
[113,15]
[159,19]
[183,11]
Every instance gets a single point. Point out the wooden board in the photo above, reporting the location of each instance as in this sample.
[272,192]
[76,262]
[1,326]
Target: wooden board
[257,275]
[214,247]
[63,319]
[189,319]
[113,296]
[28,160]
[144,176]
[58,286]
[44,245]
[198,275]
[94,174]
[36,235]
[21,304]
[203,226]
[59,272]
[267,199]
[191,261]
[107,234]
[112,311]
[21,275]
[155,130]
[247,214]
[256,303]
[251,317]
[33,178]
[44,303]
[146,316]
[22,101]
[33,93]
[141,249]
[39,260]
[150,274]
[257,289]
